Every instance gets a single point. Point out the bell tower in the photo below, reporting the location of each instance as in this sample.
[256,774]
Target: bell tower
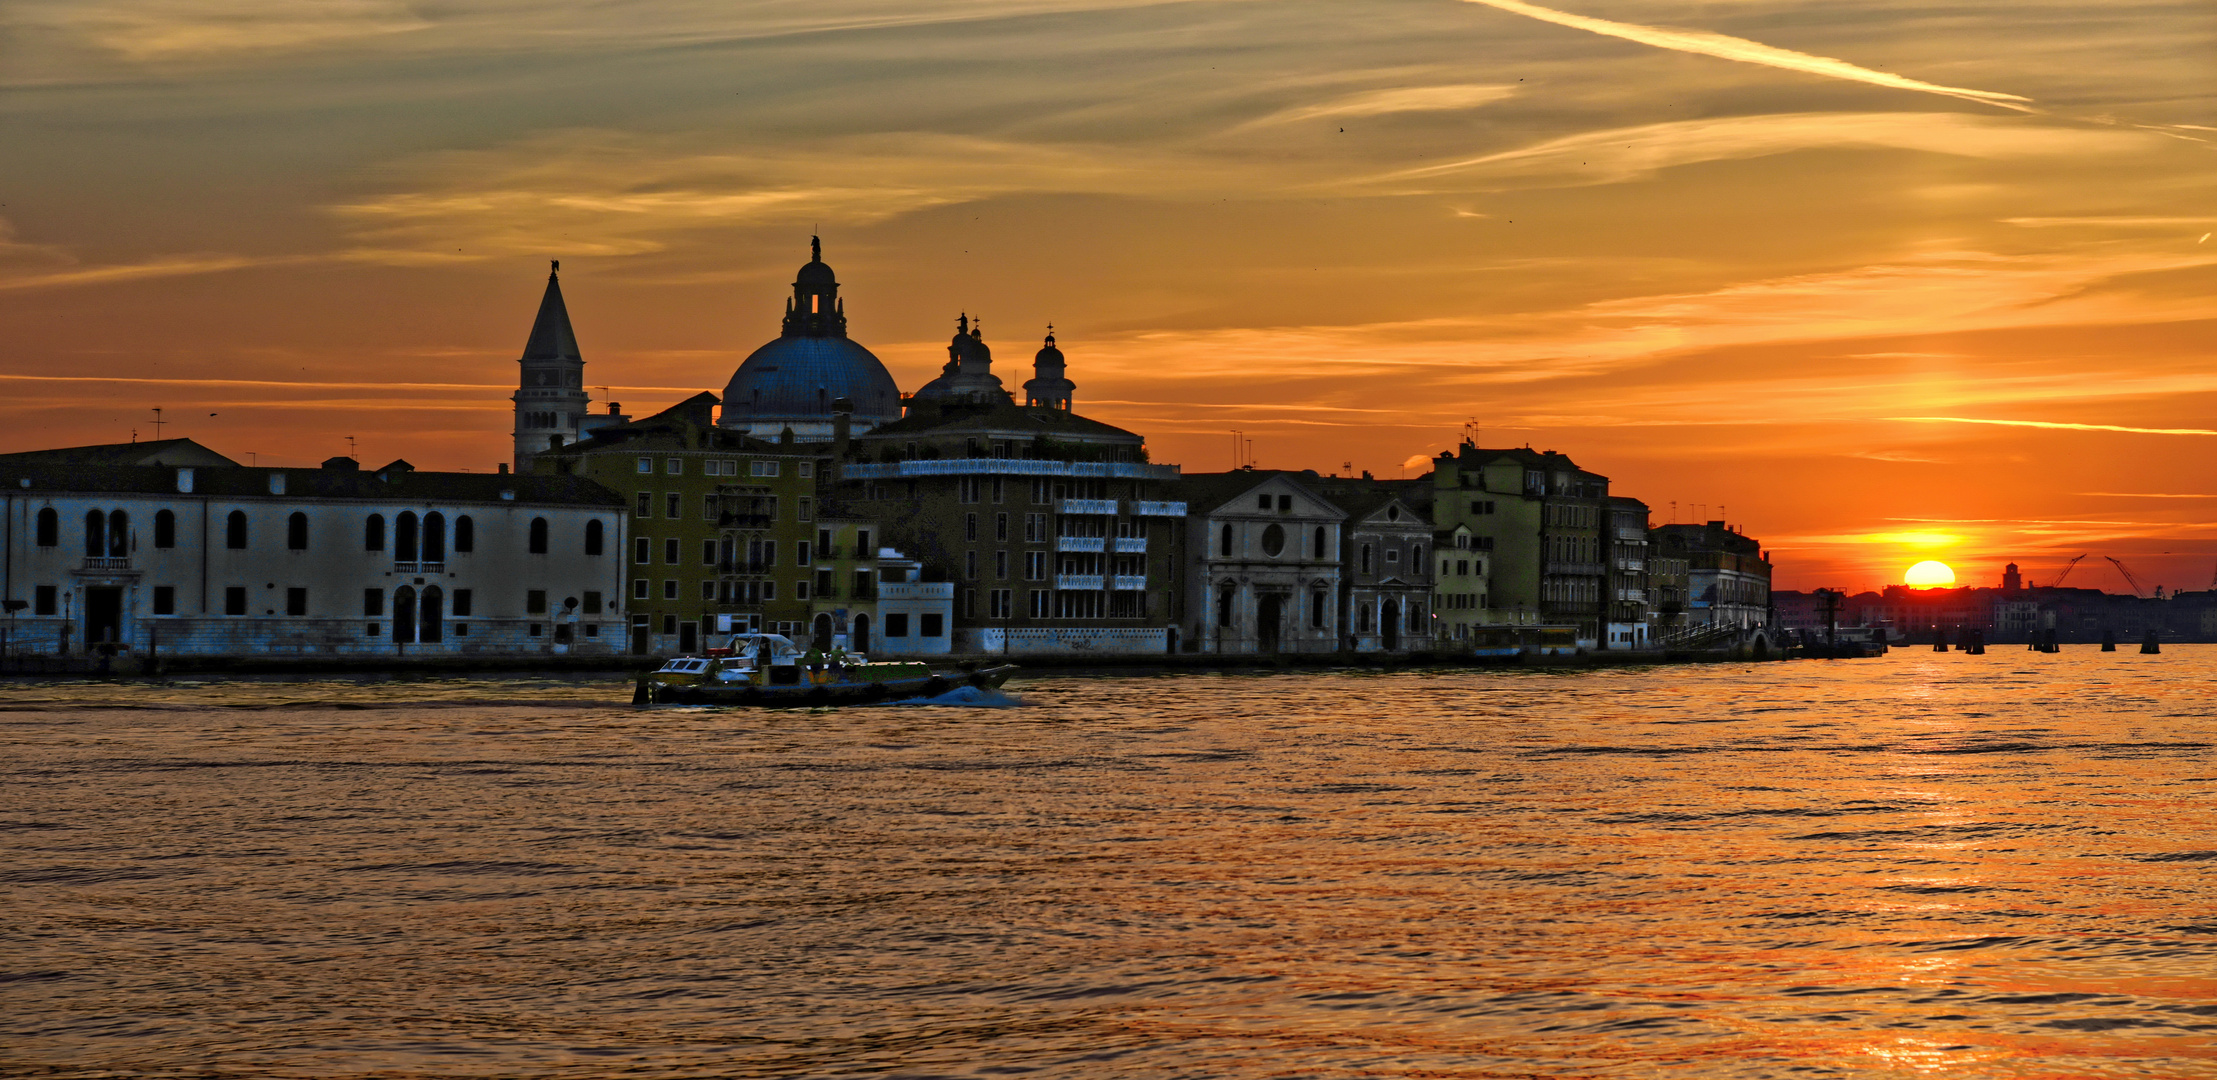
[550,393]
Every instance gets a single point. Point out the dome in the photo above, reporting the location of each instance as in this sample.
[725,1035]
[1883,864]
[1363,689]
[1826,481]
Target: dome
[797,378]
[816,273]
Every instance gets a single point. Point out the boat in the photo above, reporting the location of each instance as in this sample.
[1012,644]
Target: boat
[768,670]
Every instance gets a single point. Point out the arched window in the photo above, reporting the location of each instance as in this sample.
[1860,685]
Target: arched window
[1316,607]
[96,534]
[538,536]
[119,534]
[404,536]
[373,533]
[49,527]
[593,537]
[404,614]
[1224,544]
[234,530]
[465,534]
[434,543]
[1416,555]
[165,529]
[1362,619]
[1366,569]
[1320,541]
[296,532]
[1225,616]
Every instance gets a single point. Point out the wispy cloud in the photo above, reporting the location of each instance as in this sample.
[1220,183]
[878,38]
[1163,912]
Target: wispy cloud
[178,266]
[1395,100]
[2144,495]
[1725,47]
[2048,424]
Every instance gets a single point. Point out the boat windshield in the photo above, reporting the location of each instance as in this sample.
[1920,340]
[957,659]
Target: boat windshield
[685,664]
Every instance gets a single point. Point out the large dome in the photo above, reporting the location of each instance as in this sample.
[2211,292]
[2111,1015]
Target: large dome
[792,381]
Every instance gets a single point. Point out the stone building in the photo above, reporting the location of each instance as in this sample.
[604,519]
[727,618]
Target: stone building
[790,383]
[1541,520]
[721,524]
[1265,571]
[173,548]
[1053,530]
[1626,544]
[1386,601]
[1728,574]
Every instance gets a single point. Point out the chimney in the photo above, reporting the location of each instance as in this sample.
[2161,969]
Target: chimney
[504,468]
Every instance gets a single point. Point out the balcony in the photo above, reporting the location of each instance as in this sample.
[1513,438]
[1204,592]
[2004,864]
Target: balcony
[1080,543]
[1105,470]
[419,567]
[1632,596]
[1128,583]
[1079,582]
[745,521]
[1130,545]
[1086,506]
[1158,509]
[740,566]
[96,564]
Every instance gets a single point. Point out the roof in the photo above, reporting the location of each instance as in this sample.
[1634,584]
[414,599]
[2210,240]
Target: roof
[158,452]
[798,376]
[1206,492]
[245,482]
[999,416]
[684,426]
[551,337]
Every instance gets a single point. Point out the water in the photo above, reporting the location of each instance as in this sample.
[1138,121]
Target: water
[1977,866]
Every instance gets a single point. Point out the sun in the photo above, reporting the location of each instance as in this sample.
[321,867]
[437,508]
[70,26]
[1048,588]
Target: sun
[1929,574]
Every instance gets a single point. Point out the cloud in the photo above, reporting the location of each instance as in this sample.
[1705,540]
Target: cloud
[158,30]
[177,266]
[1751,52]
[2051,425]
[1395,100]
[2142,495]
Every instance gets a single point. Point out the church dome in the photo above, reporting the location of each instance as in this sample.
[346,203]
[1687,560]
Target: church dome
[792,381]
[816,273]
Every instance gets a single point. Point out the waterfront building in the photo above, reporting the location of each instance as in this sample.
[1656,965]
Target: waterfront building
[843,601]
[1265,570]
[1386,601]
[790,383]
[914,615]
[1053,529]
[550,400]
[1728,574]
[1627,566]
[170,547]
[1540,519]
[721,524]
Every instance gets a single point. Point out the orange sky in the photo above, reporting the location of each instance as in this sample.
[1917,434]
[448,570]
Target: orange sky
[1884,282]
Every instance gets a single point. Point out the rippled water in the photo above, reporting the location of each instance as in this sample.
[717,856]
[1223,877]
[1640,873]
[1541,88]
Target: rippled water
[1976,866]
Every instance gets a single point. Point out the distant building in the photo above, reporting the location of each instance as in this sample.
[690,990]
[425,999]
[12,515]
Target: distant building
[550,399]
[1542,519]
[1265,571]
[790,383]
[1626,544]
[173,548]
[1385,580]
[1728,575]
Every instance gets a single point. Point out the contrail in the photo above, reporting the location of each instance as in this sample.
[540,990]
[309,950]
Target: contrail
[1725,47]
[2051,425]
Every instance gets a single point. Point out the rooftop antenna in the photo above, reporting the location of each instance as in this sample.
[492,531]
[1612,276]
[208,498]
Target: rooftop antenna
[350,451]
[158,422]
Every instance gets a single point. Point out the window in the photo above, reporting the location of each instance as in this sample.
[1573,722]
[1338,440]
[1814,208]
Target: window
[646,465]
[807,470]
[642,550]
[708,590]
[1042,603]
[674,466]
[1000,527]
[969,603]
[434,540]
[165,600]
[646,505]
[165,529]
[372,630]
[1393,555]
[764,468]
[708,553]
[1035,566]
[49,528]
[1273,540]
[967,488]
[234,529]
[896,624]
[673,505]
[669,624]
[639,588]
[1366,558]
[970,565]
[296,532]
[800,549]
[594,533]
[969,526]
[669,589]
[1285,504]
[461,603]
[296,601]
[709,508]
[1002,603]
[1040,491]
[769,590]
[373,601]
[592,604]
[234,600]
[404,537]
[96,534]
[1000,565]
[932,624]
[465,534]
[43,600]
[862,548]
[1224,609]
[535,602]
[1224,543]
[808,508]
[1416,555]
[373,533]
[1262,502]
[669,551]
[1316,610]
[1319,542]
[1002,449]
[538,536]
[800,589]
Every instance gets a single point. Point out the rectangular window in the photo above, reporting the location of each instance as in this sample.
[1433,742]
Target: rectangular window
[966,489]
[1000,565]
[44,602]
[969,603]
[669,589]
[535,602]
[296,601]
[708,590]
[997,486]
[669,551]
[769,553]
[639,588]
[969,526]
[673,505]
[1003,602]
[372,630]
[1035,566]
[373,601]
[808,507]
[462,603]
[642,550]
[674,466]
[1035,528]
[461,629]
[862,548]
[708,553]
[165,599]
[592,604]
[1040,492]
[769,590]
[234,600]
[970,565]
[646,504]
[1041,599]
[532,629]
[800,589]
[933,624]
[800,556]
[1000,527]
[646,465]
[710,510]
[896,624]
[807,469]
[1262,502]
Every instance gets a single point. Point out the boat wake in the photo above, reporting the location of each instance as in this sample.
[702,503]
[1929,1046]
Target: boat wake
[968,697]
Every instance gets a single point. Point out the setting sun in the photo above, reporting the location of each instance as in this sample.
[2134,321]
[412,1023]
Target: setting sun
[1929,574]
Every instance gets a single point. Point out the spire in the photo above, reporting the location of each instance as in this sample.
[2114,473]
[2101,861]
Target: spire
[551,337]
[815,309]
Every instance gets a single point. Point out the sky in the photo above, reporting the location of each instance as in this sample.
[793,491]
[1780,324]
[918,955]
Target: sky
[1874,282]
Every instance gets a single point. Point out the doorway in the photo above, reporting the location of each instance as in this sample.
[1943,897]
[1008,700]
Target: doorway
[1268,612]
[642,642]
[822,637]
[103,615]
[861,635]
[404,614]
[688,637]
[1389,625]
[430,615]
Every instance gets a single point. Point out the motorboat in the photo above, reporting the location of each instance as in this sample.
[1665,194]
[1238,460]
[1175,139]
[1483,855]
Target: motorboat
[770,670]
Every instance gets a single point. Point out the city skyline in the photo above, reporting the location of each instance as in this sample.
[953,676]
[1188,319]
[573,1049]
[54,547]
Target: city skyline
[1890,287]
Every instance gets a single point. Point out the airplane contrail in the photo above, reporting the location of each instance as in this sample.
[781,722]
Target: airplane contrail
[2051,425]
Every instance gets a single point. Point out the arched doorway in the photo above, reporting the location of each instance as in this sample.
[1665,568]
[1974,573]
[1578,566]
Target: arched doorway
[822,636]
[404,614]
[1389,624]
[430,615]
[1269,612]
[860,638]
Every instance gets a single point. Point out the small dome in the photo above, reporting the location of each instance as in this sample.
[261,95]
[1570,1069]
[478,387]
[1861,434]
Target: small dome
[816,273]
[1049,355]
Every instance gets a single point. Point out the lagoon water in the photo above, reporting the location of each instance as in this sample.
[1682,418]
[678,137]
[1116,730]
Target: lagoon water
[2003,865]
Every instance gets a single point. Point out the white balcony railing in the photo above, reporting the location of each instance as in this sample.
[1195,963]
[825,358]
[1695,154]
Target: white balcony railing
[1114,470]
[1128,582]
[1158,509]
[1130,545]
[93,563]
[1086,506]
[1079,582]
[1080,543]
[419,567]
